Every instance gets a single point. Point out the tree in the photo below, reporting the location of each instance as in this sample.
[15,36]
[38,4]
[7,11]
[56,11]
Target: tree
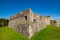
[3,22]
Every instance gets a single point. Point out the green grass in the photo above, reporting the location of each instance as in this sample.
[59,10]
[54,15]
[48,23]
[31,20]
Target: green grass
[49,33]
[10,34]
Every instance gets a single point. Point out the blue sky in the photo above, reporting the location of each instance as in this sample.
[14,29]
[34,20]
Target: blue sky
[41,7]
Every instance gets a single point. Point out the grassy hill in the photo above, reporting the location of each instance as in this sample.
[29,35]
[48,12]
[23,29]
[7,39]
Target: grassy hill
[49,33]
[10,34]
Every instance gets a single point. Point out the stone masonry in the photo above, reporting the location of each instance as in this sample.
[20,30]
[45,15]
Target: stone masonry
[28,23]
[55,22]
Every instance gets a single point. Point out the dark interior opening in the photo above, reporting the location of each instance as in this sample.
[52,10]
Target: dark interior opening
[34,20]
[26,18]
[54,22]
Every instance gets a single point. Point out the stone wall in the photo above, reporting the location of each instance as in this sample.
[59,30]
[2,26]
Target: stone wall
[22,28]
[55,22]
[28,23]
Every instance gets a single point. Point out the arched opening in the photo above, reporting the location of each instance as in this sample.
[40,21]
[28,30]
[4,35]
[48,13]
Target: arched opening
[34,20]
[54,22]
[26,18]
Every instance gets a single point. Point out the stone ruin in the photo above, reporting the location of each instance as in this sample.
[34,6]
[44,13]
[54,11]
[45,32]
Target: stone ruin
[28,23]
[55,22]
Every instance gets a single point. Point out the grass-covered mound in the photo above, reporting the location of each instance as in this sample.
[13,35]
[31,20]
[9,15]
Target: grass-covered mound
[49,33]
[10,34]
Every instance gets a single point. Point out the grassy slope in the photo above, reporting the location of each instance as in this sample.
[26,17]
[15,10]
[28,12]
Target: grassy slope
[9,34]
[49,33]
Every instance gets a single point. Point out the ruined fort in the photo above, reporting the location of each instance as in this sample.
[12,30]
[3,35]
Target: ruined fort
[28,23]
